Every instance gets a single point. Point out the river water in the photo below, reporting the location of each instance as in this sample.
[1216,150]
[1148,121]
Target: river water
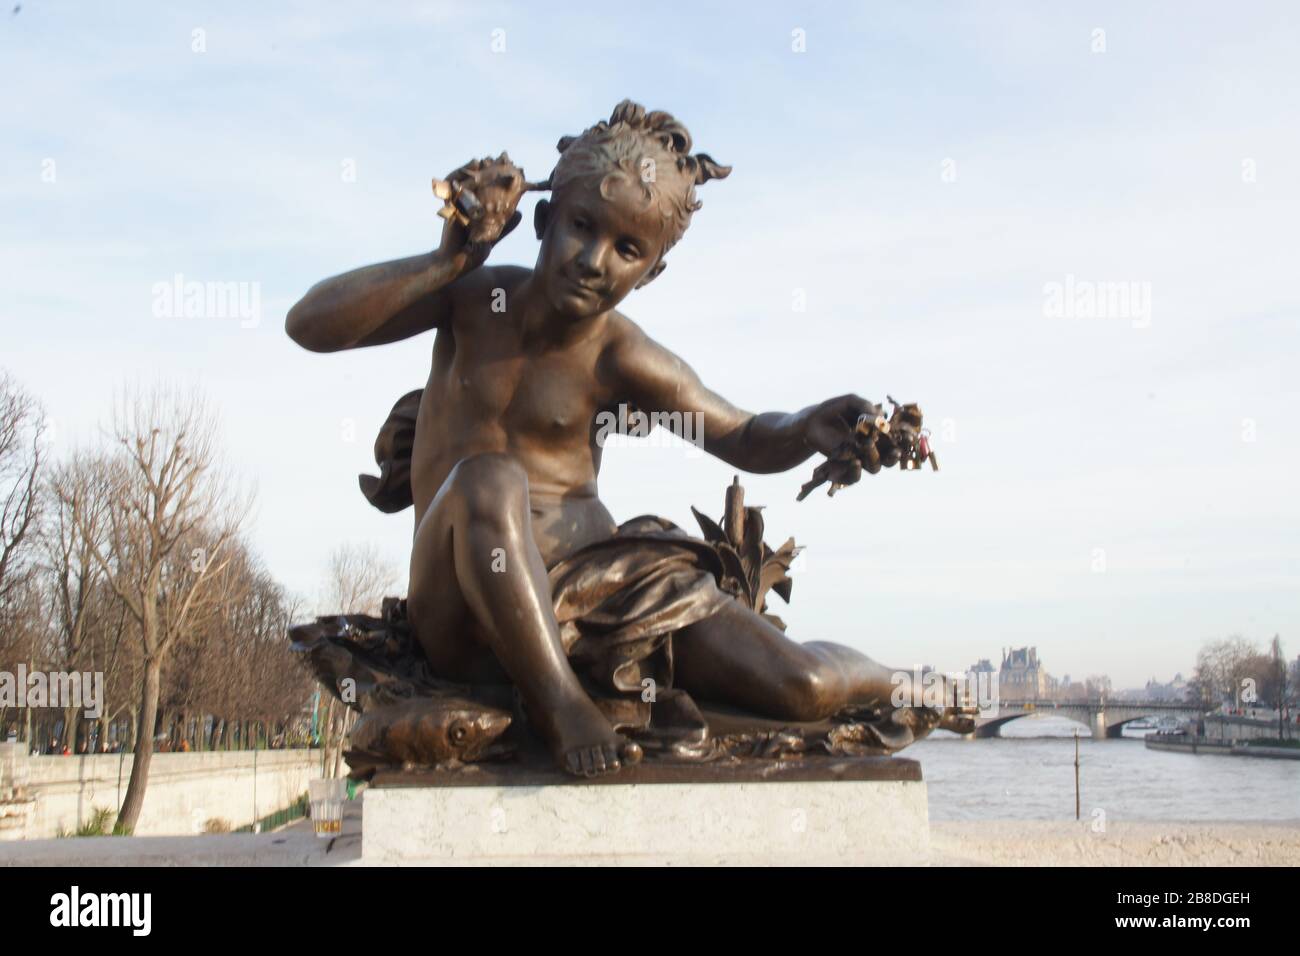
[1028,774]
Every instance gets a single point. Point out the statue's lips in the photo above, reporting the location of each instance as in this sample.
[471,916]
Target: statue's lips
[582,289]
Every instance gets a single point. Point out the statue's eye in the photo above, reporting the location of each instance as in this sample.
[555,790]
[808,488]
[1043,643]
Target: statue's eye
[459,732]
[580,224]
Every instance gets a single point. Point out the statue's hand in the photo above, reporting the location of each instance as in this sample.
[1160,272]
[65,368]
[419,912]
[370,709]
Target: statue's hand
[830,430]
[486,192]
[854,436]
[830,425]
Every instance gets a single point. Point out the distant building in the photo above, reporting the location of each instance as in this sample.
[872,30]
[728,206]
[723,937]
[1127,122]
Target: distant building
[1023,677]
[1067,689]
[982,683]
[1175,690]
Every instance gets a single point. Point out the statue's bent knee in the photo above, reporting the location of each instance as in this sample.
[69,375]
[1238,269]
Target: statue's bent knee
[490,482]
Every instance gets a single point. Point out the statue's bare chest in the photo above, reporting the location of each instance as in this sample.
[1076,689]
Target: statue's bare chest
[551,397]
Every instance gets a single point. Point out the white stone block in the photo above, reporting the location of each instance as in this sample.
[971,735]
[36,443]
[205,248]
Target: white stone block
[875,822]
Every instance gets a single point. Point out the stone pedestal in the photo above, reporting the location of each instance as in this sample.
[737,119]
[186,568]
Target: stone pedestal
[864,811]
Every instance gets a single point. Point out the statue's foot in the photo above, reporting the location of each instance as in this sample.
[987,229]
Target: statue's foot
[583,742]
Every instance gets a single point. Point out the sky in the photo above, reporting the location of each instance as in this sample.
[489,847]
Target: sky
[925,199]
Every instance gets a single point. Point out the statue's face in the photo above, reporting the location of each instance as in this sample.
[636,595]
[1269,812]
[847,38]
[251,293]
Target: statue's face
[598,244]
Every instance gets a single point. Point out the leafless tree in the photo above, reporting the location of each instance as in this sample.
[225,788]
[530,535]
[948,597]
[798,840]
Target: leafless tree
[358,580]
[24,640]
[23,637]
[76,523]
[234,661]
[1222,668]
[22,428]
[1275,687]
[168,491]
[1097,686]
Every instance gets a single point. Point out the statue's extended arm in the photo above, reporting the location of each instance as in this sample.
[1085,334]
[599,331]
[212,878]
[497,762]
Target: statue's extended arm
[395,300]
[375,304]
[656,380]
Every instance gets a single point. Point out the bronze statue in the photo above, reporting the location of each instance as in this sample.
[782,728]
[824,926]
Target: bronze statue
[525,595]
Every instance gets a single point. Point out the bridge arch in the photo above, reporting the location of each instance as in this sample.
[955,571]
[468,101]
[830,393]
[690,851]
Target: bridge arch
[993,726]
[1104,719]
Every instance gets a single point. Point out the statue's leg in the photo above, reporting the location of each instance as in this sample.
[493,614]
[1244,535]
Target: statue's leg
[480,602]
[738,657]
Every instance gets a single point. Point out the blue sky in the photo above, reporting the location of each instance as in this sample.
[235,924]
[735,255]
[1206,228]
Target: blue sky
[919,173]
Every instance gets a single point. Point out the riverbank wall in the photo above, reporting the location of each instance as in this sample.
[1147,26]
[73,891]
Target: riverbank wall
[1186,743]
[188,793]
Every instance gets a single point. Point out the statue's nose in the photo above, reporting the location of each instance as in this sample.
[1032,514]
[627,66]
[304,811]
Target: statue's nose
[591,260]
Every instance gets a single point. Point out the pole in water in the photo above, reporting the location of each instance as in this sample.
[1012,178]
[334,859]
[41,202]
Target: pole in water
[1076,775]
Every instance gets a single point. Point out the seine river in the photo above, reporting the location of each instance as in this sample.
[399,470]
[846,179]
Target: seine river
[1028,774]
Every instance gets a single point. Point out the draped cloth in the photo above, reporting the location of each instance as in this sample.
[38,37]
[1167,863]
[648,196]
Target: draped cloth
[619,600]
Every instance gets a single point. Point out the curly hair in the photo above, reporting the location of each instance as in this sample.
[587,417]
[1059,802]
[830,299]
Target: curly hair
[652,149]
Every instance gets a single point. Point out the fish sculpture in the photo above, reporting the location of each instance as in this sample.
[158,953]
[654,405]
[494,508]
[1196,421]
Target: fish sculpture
[408,718]
[429,732]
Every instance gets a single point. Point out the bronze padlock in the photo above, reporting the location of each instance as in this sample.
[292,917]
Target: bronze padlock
[458,202]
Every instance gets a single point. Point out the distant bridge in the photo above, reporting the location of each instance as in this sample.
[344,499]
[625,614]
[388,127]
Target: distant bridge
[1104,718]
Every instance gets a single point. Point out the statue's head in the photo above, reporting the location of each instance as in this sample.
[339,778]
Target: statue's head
[622,194]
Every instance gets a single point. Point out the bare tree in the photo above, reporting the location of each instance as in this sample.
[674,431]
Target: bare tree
[76,524]
[168,492]
[1097,686]
[234,660]
[24,640]
[358,580]
[1222,668]
[1275,686]
[22,427]
[124,561]
[23,637]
